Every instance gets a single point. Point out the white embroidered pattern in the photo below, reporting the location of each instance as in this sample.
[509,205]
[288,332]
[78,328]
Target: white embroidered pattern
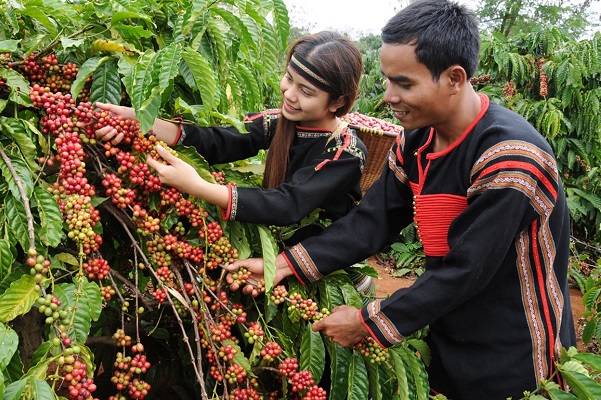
[234,205]
[538,154]
[530,297]
[305,263]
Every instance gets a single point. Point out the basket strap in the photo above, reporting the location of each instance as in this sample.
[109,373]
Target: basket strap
[337,132]
[339,129]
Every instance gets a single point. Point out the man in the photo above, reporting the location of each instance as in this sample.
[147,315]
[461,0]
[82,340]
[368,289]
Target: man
[483,188]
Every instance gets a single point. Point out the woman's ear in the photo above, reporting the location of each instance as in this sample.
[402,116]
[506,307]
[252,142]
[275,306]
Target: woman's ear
[336,104]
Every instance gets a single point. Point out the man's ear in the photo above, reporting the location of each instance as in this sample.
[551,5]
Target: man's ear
[456,77]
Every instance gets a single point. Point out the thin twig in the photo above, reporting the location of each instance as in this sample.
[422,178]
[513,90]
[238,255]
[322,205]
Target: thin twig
[177,317]
[180,281]
[149,304]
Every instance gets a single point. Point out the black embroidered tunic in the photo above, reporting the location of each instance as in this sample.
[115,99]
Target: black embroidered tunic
[492,217]
[324,170]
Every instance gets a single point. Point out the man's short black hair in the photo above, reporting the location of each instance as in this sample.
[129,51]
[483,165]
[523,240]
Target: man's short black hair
[444,33]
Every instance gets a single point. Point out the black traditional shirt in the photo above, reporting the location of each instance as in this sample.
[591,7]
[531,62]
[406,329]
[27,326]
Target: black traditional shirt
[324,170]
[492,216]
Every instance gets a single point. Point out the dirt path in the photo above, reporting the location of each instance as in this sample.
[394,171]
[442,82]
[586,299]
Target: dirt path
[387,284]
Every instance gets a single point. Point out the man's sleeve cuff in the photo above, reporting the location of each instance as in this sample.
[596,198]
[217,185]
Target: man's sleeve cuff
[301,264]
[380,327]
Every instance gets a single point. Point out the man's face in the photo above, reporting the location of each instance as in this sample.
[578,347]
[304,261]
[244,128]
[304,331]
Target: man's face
[416,99]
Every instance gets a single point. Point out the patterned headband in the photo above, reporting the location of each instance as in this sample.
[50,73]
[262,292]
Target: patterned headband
[305,69]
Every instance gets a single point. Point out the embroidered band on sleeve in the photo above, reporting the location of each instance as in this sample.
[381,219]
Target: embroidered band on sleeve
[181,134]
[305,264]
[379,325]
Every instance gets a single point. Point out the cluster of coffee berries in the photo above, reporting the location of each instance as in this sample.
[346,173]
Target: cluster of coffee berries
[480,79]
[39,265]
[372,351]
[211,232]
[81,217]
[128,371]
[301,383]
[238,278]
[75,375]
[121,339]
[245,394]
[49,306]
[107,292]
[305,309]
[279,294]
[509,89]
[121,196]
[96,268]
[254,332]
[370,123]
[271,351]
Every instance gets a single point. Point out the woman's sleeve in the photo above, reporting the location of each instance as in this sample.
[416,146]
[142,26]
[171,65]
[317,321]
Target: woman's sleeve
[226,144]
[310,187]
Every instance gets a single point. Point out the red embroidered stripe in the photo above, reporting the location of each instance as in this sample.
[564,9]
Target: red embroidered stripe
[261,114]
[371,333]
[543,294]
[399,147]
[225,214]
[524,166]
[179,131]
[298,277]
[433,215]
[347,142]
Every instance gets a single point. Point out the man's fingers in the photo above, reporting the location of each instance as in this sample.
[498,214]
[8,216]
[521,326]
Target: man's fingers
[317,326]
[231,267]
[248,289]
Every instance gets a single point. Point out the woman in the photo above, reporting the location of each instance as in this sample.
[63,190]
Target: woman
[314,161]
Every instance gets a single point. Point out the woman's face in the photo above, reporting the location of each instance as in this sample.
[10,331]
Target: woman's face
[305,103]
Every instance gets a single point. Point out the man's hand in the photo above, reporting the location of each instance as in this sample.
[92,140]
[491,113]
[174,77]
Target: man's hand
[256,268]
[342,326]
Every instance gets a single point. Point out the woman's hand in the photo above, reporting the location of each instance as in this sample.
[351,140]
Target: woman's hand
[164,130]
[107,133]
[176,173]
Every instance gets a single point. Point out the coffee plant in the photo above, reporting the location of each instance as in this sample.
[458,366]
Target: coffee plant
[552,80]
[111,284]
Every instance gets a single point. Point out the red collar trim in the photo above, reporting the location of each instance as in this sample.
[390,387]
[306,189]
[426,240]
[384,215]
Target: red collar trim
[485,102]
[307,128]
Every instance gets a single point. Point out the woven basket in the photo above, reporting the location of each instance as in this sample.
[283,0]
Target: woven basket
[378,143]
